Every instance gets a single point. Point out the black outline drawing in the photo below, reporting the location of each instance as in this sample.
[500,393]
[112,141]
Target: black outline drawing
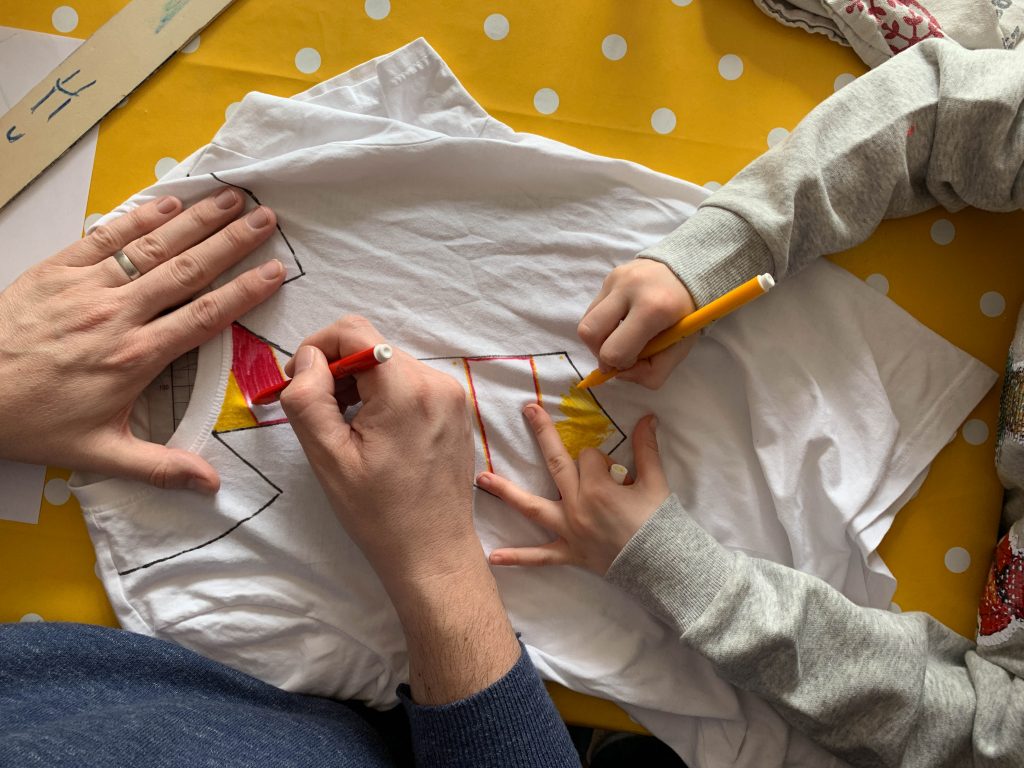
[280,492]
[568,359]
[287,242]
[229,530]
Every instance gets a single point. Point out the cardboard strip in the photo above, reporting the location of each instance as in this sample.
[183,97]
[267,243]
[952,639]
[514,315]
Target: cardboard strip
[91,81]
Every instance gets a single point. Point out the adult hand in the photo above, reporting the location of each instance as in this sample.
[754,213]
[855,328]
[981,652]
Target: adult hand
[400,476]
[595,517]
[637,301]
[79,341]
[400,479]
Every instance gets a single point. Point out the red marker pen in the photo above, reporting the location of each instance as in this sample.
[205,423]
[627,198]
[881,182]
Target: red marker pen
[346,366]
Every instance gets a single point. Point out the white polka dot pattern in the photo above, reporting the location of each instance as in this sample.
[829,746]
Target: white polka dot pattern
[545,101]
[496,26]
[307,60]
[64,19]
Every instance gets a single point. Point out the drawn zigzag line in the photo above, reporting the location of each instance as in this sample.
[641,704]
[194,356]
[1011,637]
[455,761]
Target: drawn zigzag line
[279,492]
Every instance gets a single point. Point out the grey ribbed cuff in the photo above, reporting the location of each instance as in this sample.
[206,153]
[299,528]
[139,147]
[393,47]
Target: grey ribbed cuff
[713,252]
[673,566]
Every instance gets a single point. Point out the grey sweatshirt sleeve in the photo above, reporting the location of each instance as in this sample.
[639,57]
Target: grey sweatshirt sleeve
[936,125]
[873,687]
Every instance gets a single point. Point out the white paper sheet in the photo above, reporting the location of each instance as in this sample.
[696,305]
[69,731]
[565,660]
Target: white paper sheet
[48,215]
[44,218]
[21,491]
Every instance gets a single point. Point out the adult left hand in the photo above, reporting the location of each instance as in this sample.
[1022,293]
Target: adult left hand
[79,340]
[595,517]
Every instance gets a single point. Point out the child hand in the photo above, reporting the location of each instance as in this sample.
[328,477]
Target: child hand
[637,301]
[595,517]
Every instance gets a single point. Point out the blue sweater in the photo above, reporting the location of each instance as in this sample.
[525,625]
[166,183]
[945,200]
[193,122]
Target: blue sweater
[79,695]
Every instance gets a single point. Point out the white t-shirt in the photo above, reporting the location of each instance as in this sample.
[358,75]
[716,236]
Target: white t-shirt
[794,431]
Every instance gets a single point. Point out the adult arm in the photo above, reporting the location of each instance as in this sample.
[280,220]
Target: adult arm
[400,479]
[936,125]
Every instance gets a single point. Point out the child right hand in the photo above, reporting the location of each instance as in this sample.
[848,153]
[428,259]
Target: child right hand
[637,301]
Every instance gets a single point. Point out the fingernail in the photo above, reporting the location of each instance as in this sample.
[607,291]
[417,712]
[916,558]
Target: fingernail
[199,484]
[483,480]
[226,198]
[166,204]
[497,559]
[304,359]
[259,218]
[528,410]
[271,270]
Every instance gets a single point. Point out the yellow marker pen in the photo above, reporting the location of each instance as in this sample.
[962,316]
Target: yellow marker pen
[720,307]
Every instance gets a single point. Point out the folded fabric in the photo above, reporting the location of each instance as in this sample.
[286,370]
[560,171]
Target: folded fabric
[794,432]
[879,29]
[1010,433]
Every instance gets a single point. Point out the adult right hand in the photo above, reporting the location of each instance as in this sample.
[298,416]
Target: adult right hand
[400,476]
[638,301]
[400,479]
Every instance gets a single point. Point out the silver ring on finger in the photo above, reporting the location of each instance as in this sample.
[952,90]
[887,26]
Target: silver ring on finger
[130,270]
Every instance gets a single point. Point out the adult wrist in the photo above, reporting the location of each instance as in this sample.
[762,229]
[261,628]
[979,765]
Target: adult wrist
[459,637]
[427,566]
[430,585]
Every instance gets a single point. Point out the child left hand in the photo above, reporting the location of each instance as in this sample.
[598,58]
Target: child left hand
[595,517]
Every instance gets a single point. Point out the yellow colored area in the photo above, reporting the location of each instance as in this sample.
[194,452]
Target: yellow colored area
[605,107]
[584,425]
[579,709]
[234,411]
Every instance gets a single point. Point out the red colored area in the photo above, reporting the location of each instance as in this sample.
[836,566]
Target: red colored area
[476,403]
[253,363]
[479,417]
[903,23]
[1003,599]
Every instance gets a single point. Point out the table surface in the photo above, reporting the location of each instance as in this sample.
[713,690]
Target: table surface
[693,88]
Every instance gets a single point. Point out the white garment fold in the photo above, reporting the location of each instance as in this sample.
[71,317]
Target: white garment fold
[796,425]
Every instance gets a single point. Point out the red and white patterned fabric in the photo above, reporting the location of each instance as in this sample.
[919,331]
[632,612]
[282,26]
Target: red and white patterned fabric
[1001,612]
[879,29]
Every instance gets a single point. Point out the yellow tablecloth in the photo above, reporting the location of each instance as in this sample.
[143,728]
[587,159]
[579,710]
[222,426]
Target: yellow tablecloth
[694,88]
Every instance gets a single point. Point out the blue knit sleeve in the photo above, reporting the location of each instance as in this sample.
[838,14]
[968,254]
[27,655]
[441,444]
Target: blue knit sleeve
[511,724]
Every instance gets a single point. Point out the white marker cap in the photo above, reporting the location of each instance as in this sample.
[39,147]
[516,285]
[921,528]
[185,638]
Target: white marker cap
[382,353]
[766,281]
[618,473]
